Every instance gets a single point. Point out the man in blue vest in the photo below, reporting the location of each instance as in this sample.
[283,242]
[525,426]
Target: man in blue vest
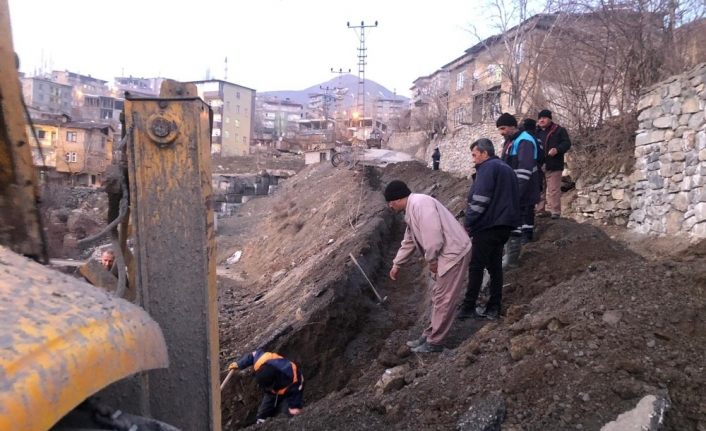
[279,378]
[521,152]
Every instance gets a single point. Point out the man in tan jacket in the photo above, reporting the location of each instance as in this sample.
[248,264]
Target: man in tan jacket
[445,245]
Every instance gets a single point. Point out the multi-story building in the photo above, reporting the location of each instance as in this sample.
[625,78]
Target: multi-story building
[430,98]
[279,119]
[386,110]
[91,97]
[233,108]
[44,95]
[141,87]
[82,151]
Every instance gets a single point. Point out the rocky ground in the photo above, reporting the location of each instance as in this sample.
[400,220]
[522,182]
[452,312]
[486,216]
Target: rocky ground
[590,325]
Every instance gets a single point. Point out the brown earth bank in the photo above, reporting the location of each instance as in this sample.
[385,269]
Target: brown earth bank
[589,327]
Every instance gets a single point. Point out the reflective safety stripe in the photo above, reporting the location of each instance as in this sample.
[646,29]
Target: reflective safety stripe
[481,198]
[267,356]
[523,171]
[523,176]
[527,226]
[478,208]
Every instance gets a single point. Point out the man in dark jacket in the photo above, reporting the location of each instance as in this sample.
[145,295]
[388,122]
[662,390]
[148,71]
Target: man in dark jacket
[436,159]
[521,152]
[556,144]
[493,211]
[279,378]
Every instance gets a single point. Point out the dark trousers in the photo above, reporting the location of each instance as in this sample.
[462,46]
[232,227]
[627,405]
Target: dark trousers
[273,404]
[435,165]
[527,227]
[487,253]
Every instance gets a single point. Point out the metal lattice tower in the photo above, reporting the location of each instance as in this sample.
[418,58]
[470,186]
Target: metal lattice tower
[362,56]
[339,89]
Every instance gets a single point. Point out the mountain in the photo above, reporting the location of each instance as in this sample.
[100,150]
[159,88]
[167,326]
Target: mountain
[348,82]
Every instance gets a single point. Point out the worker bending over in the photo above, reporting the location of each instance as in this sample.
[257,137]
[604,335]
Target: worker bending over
[279,378]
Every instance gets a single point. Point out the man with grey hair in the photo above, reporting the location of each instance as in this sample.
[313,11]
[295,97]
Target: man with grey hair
[493,211]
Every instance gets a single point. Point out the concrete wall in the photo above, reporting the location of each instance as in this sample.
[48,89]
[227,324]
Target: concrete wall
[669,195]
[412,143]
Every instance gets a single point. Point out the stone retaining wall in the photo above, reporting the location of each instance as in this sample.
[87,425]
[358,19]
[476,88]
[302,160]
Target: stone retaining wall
[455,147]
[669,196]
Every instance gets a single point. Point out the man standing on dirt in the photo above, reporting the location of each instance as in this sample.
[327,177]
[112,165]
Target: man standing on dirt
[521,152]
[493,211]
[435,159]
[556,143]
[445,246]
[279,378]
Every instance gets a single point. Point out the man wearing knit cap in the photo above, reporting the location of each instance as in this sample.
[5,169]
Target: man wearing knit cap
[442,241]
[521,152]
[556,143]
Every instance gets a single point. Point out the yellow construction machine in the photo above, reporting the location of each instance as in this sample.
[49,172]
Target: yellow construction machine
[74,356]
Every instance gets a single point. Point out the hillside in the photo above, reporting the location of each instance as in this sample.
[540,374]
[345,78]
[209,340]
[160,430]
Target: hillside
[590,326]
[373,90]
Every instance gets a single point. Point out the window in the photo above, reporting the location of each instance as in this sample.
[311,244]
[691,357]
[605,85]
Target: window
[459,80]
[226,134]
[41,134]
[237,94]
[245,139]
[70,157]
[71,136]
[237,123]
[237,109]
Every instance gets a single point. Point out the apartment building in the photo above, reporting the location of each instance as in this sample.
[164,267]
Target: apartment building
[42,94]
[233,108]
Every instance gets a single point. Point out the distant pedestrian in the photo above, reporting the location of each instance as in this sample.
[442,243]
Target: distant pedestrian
[444,244]
[556,143]
[521,152]
[493,211]
[436,159]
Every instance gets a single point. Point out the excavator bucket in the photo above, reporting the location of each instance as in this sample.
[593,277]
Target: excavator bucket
[62,340]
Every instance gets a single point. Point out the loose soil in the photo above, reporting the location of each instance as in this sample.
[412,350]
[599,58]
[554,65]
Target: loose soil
[590,326]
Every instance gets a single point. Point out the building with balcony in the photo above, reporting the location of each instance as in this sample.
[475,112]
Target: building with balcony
[233,108]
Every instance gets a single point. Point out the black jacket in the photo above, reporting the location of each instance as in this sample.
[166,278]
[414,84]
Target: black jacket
[557,137]
[493,199]
[522,157]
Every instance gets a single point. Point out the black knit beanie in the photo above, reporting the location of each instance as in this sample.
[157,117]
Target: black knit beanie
[265,376]
[396,190]
[544,113]
[506,120]
[529,125]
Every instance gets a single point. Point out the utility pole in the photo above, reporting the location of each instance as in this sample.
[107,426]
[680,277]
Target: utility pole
[327,98]
[362,56]
[339,88]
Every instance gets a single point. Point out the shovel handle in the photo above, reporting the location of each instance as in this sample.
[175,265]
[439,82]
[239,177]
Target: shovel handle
[366,277]
[225,381]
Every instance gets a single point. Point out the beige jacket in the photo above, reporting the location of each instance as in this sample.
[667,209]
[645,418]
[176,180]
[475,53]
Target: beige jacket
[433,230]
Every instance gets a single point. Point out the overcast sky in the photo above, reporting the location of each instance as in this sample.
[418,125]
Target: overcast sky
[270,44]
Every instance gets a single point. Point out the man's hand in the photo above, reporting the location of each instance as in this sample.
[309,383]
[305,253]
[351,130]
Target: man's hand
[393,272]
[434,267]
[294,412]
[233,366]
[552,152]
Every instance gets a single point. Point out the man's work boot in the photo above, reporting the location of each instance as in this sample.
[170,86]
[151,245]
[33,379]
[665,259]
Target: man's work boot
[468,312]
[428,348]
[416,343]
[491,313]
[511,258]
[527,236]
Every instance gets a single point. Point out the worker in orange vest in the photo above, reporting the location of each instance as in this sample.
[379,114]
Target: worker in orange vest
[279,378]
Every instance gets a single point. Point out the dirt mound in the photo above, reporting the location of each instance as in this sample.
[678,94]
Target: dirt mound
[590,326]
